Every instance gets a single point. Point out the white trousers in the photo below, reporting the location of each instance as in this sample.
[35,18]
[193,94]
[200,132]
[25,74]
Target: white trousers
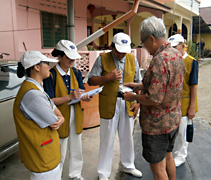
[181,150]
[108,128]
[54,174]
[73,142]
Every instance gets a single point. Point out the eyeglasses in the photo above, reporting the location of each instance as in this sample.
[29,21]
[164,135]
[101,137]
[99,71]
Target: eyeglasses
[142,42]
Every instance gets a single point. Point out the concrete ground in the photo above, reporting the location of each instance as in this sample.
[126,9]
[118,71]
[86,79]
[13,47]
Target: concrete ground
[198,164]
[13,169]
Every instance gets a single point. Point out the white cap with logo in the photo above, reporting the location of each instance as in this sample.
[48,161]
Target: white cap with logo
[32,58]
[122,42]
[176,39]
[68,48]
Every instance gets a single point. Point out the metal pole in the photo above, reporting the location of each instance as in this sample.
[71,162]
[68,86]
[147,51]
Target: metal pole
[191,23]
[199,35]
[70,21]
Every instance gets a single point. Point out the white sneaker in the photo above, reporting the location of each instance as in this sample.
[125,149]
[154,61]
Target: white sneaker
[179,161]
[133,172]
[103,178]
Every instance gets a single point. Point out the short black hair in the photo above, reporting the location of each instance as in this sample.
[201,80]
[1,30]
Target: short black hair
[56,53]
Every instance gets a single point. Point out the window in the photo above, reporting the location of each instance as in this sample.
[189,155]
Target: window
[89,30]
[9,81]
[53,29]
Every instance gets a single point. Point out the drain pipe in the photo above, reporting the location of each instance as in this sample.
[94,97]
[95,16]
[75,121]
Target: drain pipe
[103,30]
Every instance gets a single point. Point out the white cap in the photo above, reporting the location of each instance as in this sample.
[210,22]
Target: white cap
[176,39]
[32,58]
[122,42]
[68,48]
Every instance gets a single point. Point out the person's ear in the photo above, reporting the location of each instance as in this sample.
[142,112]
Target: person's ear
[153,39]
[183,46]
[37,67]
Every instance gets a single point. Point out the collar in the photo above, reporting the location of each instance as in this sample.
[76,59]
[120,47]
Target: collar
[162,47]
[122,60]
[61,71]
[185,55]
[35,83]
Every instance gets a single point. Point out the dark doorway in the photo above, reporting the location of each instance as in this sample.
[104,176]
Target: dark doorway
[174,31]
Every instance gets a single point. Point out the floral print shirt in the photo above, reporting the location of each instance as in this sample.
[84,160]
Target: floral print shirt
[162,83]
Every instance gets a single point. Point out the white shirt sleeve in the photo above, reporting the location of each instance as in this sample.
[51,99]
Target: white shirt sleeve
[37,107]
[97,68]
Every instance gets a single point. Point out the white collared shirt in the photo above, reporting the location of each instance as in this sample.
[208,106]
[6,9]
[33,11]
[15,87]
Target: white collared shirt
[185,55]
[61,71]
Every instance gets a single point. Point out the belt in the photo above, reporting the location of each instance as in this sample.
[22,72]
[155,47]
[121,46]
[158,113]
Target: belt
[119,94]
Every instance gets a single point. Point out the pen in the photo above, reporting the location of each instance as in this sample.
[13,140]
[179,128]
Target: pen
[72,89]
[136,88]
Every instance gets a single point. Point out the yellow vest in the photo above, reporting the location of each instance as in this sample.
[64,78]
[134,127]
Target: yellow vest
[185,100]
[108,97]
[60,91]
[39,147]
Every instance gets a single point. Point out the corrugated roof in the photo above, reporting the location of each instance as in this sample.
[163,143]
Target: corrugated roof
[206,15]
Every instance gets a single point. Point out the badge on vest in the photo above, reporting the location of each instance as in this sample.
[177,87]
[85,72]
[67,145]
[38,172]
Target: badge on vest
[47,142]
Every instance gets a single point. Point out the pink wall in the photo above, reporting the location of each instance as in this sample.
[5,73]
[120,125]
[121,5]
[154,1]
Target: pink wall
[20,26]
[6,28]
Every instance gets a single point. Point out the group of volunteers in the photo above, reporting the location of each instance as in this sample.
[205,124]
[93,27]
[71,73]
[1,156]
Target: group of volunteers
[166,97]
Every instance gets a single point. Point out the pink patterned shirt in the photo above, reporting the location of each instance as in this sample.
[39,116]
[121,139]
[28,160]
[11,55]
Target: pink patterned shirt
[163,84]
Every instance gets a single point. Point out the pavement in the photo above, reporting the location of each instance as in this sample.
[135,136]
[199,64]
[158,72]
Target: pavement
[197,166]
[204,61]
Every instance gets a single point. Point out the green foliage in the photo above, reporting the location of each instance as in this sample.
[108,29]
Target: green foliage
[192,49]
[90,48]
[207,52]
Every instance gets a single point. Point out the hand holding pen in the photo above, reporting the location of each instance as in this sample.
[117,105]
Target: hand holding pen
[76,93]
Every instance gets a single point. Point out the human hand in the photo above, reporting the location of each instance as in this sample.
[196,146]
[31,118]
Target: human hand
[135,109]
[129,96]
[133,85]
[86,98]
[191,112]
[77,93]
[58,123]
[115,75]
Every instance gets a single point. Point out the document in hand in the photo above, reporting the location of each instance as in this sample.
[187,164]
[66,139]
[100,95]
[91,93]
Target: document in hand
[90,93]
[124,89]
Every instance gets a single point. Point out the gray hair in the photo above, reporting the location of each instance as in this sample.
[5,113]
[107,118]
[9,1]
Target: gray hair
[153,26]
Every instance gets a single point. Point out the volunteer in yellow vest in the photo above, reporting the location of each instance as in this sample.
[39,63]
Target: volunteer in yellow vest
[64,85]
[189,104]
[111,70]
[37,119]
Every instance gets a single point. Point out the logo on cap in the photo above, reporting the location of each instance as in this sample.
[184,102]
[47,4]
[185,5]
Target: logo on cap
[171,39]
[124,41]
[72,47]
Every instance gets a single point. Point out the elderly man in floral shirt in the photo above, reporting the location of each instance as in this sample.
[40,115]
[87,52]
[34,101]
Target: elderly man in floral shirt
[160,96]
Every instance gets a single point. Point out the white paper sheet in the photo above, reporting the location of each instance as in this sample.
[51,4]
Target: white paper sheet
[90,93]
